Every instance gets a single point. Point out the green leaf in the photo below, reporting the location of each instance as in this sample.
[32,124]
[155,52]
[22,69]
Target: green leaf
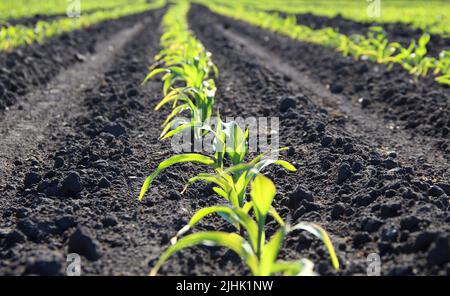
[178,71]
[262,193]
[190,157]
[263,155]
[276,216]
[210,178]
[167,83]
[177,130]
[177,110]
[266,162]
[303,267]
[319,232]
[232,241]
[424,39]
[200,214]
[270,253]
[247,207]
[174,95]
[219,191]
[154,72]
[168,98]
[170,124]
[250,226]
[286,165]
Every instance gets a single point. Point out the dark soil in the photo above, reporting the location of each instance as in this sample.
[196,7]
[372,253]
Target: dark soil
[396,32]
[33,66]
[71,185]
[76,191]
[366,198]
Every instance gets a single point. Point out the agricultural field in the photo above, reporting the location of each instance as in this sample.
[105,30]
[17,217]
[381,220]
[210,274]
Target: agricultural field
[224,137]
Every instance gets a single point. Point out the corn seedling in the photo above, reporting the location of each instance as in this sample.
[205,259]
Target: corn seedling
[15,36]
[27,8]
[431,16]
[443,68]
[374,47]
[232,182]
[260,256]
[186,67]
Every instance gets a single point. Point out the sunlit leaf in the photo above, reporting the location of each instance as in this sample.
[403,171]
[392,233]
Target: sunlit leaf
[262,192]
[319,232]
[231,241]
[191,157]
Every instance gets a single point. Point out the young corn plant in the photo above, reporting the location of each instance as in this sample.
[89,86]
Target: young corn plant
[230,142]
[443,68]
[443,79]
[415,59]
[374,47]
[187,70]
[12,37]
[198,103]
[259,255]
[232,183]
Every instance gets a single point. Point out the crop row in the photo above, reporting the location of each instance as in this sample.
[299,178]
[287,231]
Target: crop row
[374,47]
[427,15]
[15,36]
[14,9]
[188,75]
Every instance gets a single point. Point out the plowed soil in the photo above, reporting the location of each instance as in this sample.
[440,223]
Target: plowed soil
[371,146]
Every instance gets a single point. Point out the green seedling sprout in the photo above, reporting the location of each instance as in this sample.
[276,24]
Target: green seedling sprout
[188,86]
[186,69]
[374,47]
[12,37]
[259,255]
[232,182]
